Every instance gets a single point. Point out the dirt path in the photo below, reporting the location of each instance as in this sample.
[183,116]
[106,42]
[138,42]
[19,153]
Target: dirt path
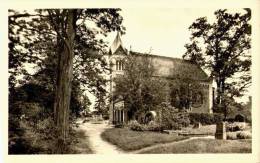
[93,132]
[97,144]
[169,144]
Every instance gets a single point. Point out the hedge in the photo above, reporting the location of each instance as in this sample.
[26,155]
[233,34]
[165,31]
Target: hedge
[205,118]
[152,126]
[173,119]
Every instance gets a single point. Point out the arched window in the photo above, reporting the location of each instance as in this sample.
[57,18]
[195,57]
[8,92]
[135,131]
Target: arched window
[198,99]
[123,66]
[117,65]
[120,65]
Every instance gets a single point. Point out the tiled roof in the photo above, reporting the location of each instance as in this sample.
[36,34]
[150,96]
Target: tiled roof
[176,68]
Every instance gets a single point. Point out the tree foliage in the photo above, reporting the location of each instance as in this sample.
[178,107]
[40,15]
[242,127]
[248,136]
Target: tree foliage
[139,89]
[65,50]
[223,48]
[186,93]
[33,37]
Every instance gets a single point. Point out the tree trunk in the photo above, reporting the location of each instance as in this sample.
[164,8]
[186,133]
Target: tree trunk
[219,92]
[64,80]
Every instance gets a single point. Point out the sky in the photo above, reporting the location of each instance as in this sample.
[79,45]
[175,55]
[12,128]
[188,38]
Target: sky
[163,31]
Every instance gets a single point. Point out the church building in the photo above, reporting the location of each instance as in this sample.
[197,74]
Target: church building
[165,67]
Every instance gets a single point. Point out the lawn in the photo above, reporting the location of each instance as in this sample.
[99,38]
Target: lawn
[80,144]
[129,140]
[206,146]
[207,130]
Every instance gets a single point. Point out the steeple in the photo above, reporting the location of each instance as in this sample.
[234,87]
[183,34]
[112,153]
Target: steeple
[116,44]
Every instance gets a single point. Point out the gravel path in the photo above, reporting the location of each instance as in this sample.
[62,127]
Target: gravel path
[97,144]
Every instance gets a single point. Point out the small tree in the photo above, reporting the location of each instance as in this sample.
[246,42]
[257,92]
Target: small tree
[185,93]
[138,88]
[100,103]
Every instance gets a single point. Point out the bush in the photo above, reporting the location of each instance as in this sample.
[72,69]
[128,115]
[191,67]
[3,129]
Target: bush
[244,135]
[218,117]
[194,118]
[172,119]
[231,135]
[240,118]
[236,126]
[153,126]
[239,135]
[135,126]
[205,118]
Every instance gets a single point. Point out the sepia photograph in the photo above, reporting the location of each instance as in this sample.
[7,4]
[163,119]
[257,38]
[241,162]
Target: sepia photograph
[129,81]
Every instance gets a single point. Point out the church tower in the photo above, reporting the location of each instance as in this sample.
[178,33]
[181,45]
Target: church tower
[116,62]
[117,45]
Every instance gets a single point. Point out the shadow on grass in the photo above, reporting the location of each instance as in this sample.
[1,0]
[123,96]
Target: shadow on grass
[129,140]
[79,143]
[205,146]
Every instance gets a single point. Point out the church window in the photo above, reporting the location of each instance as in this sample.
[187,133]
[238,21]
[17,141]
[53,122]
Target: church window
[122,65]
[119,65]
[197,99]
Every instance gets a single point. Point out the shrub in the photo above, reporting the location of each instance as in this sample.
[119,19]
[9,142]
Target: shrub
[45,124]
[236,126]
[218,117]
[153,126]
[135,126]
[244,135]
[205,118]
[194,118]
[231,135]
[240,118]
[172,119]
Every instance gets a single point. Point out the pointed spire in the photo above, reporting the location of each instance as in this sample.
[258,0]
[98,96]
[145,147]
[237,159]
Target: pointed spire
[116,44]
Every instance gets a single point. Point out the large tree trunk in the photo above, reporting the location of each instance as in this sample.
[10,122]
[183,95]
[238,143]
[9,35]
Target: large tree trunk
[220,90]
[64,80]
[218,98]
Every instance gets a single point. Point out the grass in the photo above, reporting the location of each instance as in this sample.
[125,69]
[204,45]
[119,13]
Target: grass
[129,140]
[80,145]
[207,130]
[206,146]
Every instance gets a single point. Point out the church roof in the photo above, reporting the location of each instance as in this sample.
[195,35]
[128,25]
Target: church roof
[175,68]
[166,67]
[116,44]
